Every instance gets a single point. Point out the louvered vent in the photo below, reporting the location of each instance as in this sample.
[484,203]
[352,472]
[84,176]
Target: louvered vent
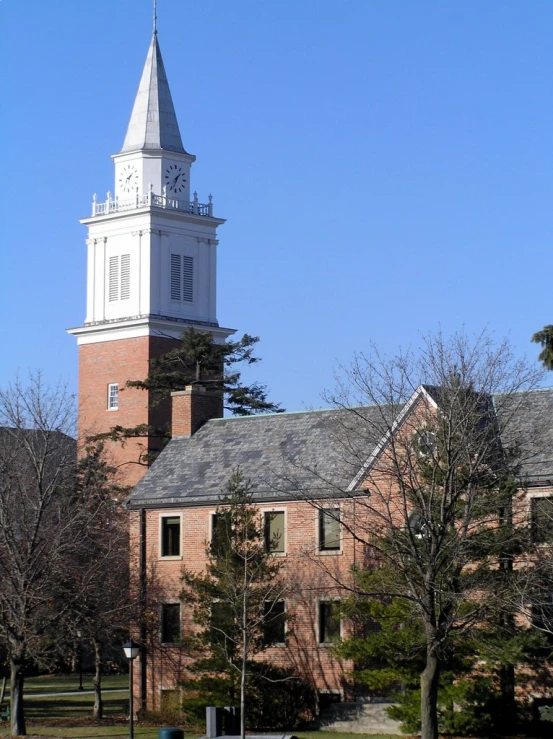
[113,278]
[188,279]
[125,276]
[182,278]
[175,277]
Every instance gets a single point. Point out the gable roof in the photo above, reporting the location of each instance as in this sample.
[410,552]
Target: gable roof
[286,453]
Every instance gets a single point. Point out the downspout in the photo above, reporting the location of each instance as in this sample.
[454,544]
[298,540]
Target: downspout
[143,630]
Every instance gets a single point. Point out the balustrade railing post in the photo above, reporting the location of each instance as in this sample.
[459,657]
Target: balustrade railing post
[195,205]
[210,206]
[94,199]
[150,193]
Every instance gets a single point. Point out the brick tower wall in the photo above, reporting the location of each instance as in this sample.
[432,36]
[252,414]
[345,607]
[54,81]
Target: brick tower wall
[116,362]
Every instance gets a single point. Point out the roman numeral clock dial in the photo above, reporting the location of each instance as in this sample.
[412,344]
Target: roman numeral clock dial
[175,178]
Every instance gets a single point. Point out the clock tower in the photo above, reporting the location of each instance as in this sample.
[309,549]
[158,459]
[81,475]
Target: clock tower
[151,270]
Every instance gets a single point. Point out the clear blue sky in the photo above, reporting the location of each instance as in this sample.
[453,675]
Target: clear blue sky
[385,166]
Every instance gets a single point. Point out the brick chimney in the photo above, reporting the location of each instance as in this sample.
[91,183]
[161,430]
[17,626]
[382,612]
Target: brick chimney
[192,407]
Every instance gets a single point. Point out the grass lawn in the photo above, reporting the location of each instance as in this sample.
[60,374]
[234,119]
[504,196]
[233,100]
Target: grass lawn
[69,715]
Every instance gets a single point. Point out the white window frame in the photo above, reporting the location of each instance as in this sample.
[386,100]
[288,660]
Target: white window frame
[170,643]
[170,557]
[111,407]
[318,512]
[264,512]
[320,602]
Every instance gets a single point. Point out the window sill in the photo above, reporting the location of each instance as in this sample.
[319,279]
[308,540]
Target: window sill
[329,552]
[170,558]
[110,410]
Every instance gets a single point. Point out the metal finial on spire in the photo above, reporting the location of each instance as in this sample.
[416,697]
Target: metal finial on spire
[155,16]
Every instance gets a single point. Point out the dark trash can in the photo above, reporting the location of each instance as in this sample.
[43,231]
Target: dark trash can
[170,733]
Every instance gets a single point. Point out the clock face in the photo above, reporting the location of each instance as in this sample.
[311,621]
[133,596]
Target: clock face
[128,179]
[175,178]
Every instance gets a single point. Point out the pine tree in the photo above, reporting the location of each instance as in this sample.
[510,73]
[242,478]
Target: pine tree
[234,602]
[198,359]
[545,338]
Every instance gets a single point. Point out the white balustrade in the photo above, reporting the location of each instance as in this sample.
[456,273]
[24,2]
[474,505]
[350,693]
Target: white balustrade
[118,205]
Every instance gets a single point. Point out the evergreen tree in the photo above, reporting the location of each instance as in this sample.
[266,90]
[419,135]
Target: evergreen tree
[234,602]
[545,338]
[198,359]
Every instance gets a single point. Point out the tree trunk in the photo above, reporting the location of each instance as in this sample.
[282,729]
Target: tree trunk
[508,718]
[429,697]
[244,660]
[17,678]
[98,710]
[3,689]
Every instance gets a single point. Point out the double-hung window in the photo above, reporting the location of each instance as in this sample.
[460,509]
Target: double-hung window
[170,536]
[329,622]
[541,509]
[113,396]
[170,623]
[274,531]
[274,622]
[329,530]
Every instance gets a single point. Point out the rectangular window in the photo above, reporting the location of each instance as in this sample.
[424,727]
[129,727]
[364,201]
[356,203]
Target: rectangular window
[274,622]
[329,622]
[119,277]
[329,529]
[170,536]
[274,532]
[113,279]
[542,520]
[125,276]
[113,396]
[182,278]
[170,623]
[219,534]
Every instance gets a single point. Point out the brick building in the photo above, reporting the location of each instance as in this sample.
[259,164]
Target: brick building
[151,273]
[310,484]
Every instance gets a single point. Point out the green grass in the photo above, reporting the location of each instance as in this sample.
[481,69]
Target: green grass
[69,715]
[66,683]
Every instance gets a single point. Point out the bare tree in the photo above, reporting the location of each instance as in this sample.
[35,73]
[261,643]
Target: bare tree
[43,524]
[436,443]
[102,601]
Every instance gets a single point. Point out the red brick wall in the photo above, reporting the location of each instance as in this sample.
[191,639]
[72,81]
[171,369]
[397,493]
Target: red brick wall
[116,362]
[311,576]
[192,407]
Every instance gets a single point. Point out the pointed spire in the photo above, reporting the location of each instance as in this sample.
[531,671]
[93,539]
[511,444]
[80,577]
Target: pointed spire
[153,123]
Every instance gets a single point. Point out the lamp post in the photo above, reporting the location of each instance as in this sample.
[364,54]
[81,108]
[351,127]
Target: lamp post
[131,650]
[79,634]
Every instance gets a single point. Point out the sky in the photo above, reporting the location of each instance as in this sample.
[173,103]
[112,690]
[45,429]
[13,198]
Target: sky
[385,168]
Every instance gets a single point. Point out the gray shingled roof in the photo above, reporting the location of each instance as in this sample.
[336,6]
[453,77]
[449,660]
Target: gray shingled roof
[153,123]
[278,453]
[287,452]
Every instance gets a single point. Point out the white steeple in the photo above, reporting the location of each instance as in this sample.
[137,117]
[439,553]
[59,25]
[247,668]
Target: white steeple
[152,249]
[153,124]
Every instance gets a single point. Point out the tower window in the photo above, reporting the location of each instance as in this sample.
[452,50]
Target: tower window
[120,277]
[113,396]
[182,278]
